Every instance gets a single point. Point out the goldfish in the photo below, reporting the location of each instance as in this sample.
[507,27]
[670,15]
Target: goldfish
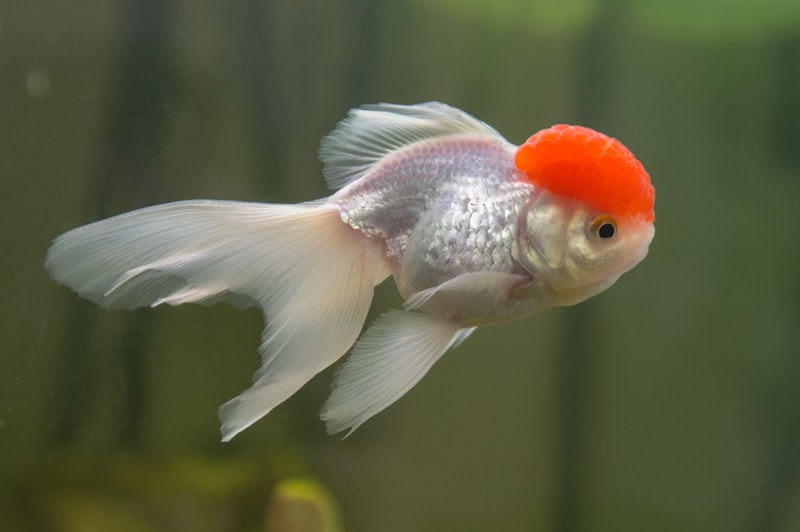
[474,230]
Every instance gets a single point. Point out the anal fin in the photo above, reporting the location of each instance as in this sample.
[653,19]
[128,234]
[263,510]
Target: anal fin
[387,361]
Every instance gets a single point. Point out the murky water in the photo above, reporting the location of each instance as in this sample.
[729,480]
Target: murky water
[667,403]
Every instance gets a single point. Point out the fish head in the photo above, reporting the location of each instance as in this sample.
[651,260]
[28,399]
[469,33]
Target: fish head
[590,216]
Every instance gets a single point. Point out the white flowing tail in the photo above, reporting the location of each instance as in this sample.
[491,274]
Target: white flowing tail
[312,275]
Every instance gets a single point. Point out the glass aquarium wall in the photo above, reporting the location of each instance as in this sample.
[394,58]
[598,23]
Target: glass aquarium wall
[667,403]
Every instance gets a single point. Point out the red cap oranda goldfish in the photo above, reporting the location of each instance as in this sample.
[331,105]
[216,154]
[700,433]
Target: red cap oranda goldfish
[474,230]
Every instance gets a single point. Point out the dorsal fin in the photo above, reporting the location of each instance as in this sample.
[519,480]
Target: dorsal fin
[371,132]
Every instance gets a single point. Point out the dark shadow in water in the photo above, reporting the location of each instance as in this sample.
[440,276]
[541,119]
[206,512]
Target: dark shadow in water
[781,425]
[786,109]
[127,170]
[250,67]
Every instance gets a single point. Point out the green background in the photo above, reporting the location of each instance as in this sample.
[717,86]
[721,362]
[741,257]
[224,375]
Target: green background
[668,403]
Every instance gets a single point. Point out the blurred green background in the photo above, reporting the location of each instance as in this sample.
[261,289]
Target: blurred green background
[668,403]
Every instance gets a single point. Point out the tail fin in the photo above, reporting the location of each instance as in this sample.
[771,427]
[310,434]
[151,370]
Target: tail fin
[312,276]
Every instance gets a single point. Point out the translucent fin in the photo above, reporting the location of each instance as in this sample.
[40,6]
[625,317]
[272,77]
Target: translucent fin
[312,275]
[371,132]
[468,294]
[387,361]
[462,335]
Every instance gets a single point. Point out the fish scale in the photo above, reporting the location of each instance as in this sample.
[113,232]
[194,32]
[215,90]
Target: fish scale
[444,207]
[467,228]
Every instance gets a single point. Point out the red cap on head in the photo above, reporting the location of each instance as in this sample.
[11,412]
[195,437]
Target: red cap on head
[580,163]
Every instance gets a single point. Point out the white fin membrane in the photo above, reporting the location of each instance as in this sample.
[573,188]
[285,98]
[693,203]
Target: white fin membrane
[312,276]
[387,361]
[474,289]
[371,132]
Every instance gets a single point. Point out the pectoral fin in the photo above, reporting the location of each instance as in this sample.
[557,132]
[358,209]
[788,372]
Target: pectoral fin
[468,295]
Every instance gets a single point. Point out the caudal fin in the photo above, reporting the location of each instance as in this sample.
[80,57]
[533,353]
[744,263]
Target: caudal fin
[312,276]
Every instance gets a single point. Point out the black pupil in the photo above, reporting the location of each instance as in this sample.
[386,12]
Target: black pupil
[606,230]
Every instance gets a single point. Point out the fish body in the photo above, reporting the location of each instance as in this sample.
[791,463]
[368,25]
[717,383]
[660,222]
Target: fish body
[474,230]
[444,208]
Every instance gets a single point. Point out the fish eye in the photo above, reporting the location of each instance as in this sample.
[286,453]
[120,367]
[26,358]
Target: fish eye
[604,227]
